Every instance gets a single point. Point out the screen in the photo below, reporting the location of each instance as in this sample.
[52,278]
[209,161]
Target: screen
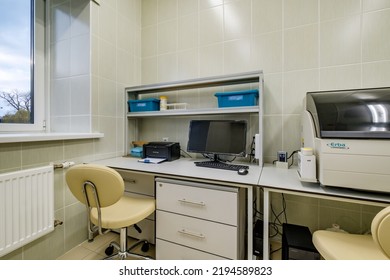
[221,137]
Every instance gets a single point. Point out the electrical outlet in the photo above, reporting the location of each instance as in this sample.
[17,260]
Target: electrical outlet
[282,156]
[165,139]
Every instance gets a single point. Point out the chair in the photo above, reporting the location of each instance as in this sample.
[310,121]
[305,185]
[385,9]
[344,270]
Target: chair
[101,189]
[343,246]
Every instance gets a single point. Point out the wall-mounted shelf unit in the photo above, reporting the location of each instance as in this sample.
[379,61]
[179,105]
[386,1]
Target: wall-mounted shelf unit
[253,79]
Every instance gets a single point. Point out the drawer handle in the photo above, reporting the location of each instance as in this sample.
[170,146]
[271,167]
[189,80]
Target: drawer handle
[201,203]
[131,181]
[190,233]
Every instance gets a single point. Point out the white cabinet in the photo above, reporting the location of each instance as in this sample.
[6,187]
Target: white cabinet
[197,221]
[140,184]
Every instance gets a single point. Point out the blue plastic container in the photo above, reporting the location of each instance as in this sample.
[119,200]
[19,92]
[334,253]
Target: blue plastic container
[151,104]
[237,98]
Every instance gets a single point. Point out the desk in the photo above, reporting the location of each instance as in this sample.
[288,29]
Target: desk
[279,180]
[185,169]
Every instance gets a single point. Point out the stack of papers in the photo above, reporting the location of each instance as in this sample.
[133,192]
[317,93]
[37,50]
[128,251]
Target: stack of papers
[152,160]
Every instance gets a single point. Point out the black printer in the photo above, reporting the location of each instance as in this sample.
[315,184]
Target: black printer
[168,150]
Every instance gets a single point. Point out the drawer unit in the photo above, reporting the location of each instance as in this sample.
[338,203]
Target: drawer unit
[215,203]
[139,184]
[171,251]
[212,237]
[197,220]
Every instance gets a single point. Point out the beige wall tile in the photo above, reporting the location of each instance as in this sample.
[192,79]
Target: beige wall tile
[188,32]
[211,60]
[237,56]
[188,64]
[107,60]
[340,41]
[149,12]
[267,52]
[10,157]
[301,48]
[273,94]
[375,74]
[211,26]
[341,77]
[40,153]
[376,37]
[291,134]
[267,16]
[237,19]
[296,85]
[372,5]
[186,7]
[149,70]
[331,9]
[167,67]
[167,10]
[204,4]
[149,41]
[300,12]
[273,126]
[167,37]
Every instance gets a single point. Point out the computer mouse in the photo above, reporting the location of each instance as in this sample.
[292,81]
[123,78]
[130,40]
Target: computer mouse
[243,171]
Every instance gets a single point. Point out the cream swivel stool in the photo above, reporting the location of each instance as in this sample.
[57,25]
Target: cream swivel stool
[101,189]
[343,246]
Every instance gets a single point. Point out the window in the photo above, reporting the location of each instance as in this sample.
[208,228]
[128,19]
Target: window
[22,65]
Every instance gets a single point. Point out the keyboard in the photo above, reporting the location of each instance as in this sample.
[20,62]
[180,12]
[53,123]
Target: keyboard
[220,165]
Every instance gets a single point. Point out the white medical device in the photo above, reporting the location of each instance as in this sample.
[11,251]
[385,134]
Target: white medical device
[349,131]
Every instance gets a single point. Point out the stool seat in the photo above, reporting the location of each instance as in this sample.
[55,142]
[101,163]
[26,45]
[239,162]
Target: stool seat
[343,246]
[127,211]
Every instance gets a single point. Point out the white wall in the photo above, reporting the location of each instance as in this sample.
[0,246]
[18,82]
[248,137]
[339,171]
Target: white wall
[301,45]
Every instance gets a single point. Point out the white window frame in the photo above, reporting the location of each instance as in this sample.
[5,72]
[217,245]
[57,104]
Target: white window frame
[39,76]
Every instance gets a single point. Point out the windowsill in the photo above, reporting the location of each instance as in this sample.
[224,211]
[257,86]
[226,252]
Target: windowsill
[35,137]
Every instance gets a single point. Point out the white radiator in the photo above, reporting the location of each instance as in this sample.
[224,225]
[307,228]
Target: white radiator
[26,206]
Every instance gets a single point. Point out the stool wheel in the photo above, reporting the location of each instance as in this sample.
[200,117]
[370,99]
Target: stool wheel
[109,250]
[145,247]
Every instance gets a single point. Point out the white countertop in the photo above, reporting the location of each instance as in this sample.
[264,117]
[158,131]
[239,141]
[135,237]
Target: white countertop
[185,167]
[288,179]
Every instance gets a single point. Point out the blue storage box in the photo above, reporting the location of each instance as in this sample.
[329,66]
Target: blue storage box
[237,98]
[136,152]
[151,104]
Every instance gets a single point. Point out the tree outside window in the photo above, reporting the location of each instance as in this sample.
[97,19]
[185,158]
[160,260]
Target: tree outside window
[16,61]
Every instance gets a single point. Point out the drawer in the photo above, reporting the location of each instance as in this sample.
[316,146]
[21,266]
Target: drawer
[169,251]
[211,237]
[138,182]
[200,200]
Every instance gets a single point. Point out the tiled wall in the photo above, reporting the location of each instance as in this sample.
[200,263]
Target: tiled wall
[301,45]
[70,99]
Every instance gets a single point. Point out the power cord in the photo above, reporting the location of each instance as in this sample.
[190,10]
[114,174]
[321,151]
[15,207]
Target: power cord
[291,156]
[277,222]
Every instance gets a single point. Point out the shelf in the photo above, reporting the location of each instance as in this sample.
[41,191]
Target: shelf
[186,91]
[211,111]
[248,77]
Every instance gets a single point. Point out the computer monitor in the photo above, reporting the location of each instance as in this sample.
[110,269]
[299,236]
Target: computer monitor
[217,137]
